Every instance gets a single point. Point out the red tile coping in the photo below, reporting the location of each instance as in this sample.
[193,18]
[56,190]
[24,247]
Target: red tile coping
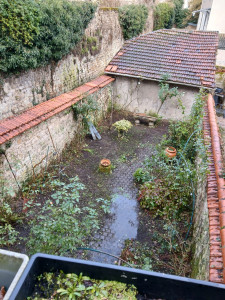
[215,195]
[16,125]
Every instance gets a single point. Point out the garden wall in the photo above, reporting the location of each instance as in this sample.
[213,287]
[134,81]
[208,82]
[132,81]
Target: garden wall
[142,96]
[200,249]
[87,60]
[39,145]
[19,92]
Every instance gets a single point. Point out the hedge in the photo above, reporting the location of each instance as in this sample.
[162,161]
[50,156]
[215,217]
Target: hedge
[168,14]
[132,20]
[34,32]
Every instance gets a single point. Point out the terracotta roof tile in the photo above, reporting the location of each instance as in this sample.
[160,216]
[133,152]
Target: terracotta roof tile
[188,57]
[14,126]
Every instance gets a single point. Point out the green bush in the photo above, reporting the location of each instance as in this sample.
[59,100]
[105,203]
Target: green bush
[19,20]
[180,13]
[164,16]
[132,20]
[62,223]
[169,184]
[34,32]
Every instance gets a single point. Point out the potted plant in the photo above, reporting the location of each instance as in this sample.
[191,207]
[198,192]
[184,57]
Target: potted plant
[149,284]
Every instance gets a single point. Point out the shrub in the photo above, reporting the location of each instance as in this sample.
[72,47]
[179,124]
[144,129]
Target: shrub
[180,13]
[164,16]
[19,20]
[122,127]
[132,20]
[141,175]
[169,184]
[50,31]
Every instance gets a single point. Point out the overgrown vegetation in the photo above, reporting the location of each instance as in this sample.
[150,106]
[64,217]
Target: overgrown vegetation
[84,110]
[34,32]
[8,233]
[168,14]
[132,20]
[61,223]
[163,16]
[73,286]
[169,184]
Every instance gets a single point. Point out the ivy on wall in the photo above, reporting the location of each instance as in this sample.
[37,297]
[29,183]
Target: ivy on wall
[34,32]
[132,20]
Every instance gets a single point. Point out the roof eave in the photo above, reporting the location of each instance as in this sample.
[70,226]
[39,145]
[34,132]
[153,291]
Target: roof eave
[153,79]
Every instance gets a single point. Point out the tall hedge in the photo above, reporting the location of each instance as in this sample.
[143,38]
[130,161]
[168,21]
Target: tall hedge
[34,32]
[132,20]
[164,16]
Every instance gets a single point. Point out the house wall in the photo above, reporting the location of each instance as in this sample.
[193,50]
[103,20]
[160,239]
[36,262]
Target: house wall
[41,144]
[216,18]
[143,97]
[203,18]
[220,58]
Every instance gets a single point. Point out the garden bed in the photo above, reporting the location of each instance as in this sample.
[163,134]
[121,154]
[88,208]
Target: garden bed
[94,215]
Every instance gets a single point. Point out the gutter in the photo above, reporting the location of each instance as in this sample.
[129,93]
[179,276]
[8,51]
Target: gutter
[169,81]
[218,161]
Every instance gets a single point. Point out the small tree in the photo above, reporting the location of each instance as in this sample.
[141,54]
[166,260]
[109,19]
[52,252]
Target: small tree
[166,92]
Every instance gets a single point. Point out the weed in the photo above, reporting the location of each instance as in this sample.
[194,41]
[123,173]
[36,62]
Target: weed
[8,234]
[137,254]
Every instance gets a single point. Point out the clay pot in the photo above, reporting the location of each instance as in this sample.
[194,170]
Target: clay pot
[105,165]
[170,152]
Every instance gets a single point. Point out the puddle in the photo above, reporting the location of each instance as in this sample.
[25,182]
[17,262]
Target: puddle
[121,226]
[123,223]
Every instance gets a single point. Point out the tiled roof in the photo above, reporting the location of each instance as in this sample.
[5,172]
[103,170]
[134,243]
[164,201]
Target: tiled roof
[187,56]
[16,125]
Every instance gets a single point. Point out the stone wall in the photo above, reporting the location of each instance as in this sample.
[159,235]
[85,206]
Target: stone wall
[200,248]
[142,96]
[103,39]
[38,146]
[87,61]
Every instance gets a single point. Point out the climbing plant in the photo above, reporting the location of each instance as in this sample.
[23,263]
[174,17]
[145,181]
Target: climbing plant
[165,92]
[132,19]
[34,32]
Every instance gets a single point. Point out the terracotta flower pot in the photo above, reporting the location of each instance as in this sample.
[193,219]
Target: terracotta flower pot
[105,166]
[170,152]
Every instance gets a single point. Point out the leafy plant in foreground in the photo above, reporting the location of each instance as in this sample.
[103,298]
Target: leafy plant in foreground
[73,286]
[61,223]
[8,234]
